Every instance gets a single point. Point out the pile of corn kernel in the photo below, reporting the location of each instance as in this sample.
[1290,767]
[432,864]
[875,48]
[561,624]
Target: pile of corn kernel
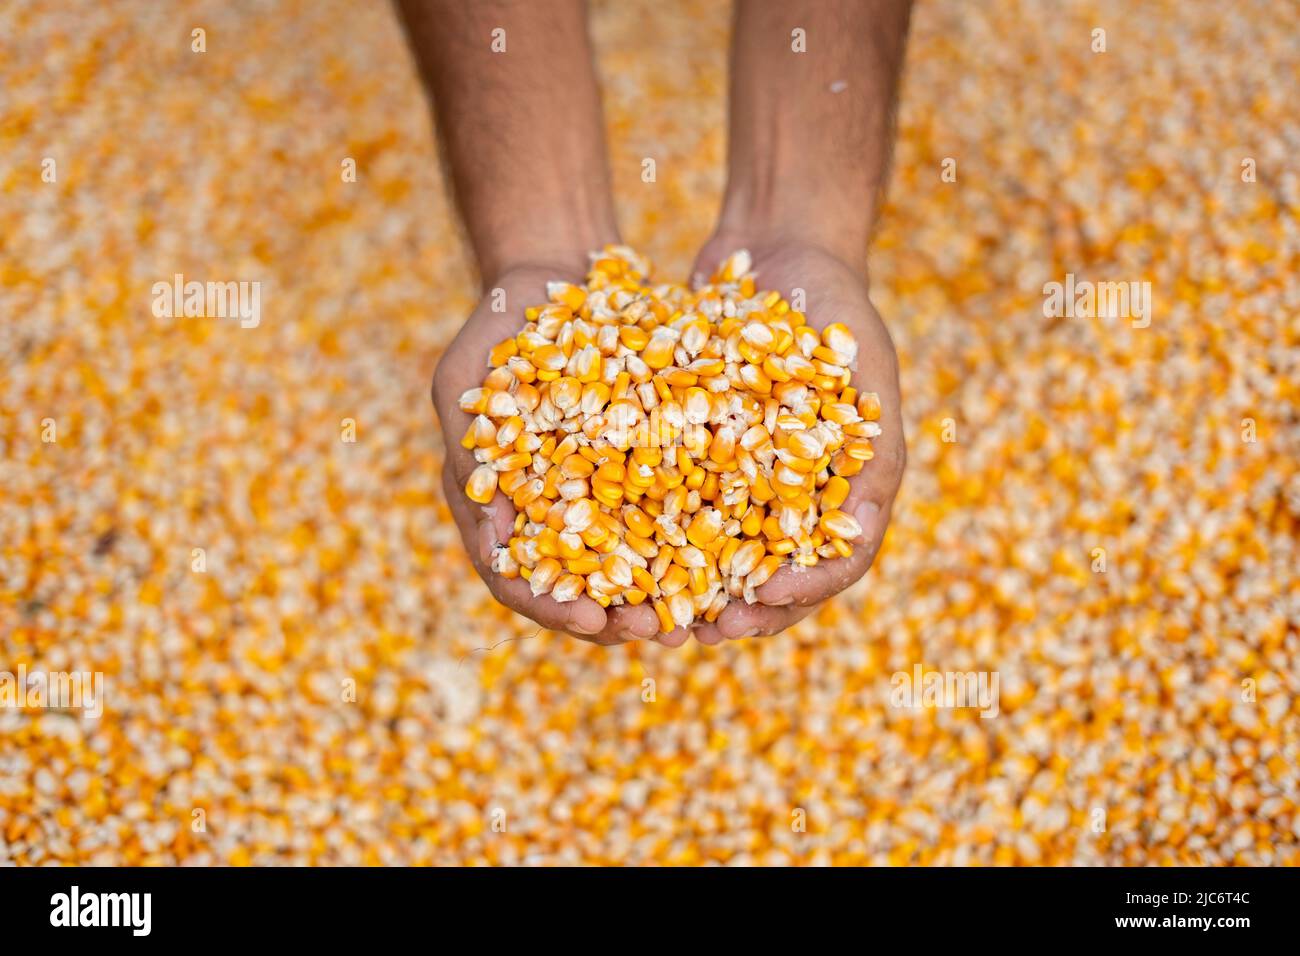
[663,444]
[333,688]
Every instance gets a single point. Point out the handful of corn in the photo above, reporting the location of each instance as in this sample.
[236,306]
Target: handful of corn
[667,444]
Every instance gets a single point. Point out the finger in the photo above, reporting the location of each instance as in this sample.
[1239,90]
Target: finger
[460,464]
[877,371]
[482,527]
[873,489]
[707,634]
[629,623]
[804,587]
[582,618]
[497,521]
[707,262]
[609,637]
[739,619]
[454,423]
[674,638]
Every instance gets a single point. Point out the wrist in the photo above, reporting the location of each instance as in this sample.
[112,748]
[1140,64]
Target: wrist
[551,228]
[562,253]
[765,210]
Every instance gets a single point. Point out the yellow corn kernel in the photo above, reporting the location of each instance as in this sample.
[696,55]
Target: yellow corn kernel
[722,448]
[510,430]
[549,358]
[633,338]
[698,581]
[860,449]
[839,413]
[681,608]
[638,522]
[587,365]
[607,493]
[544,576]
[569,545]
[577,466]
[869,406]
[839,524]
[482,485]
[548,543]
[510,481]
[597,535]
[612,471]
[764,570]
[648,456]
[665,616]
[674,579]
[845,466]
[642,546]
[726,554]
[617,570]
[537,509]
[716,607]
[834,493]
[502,351]
[761,491]
[568,588]
[644,580]
[485,433]
[754,379]
[709,487]
[658,352]
[704,527]
[587,564]
[747,556]
[568,294]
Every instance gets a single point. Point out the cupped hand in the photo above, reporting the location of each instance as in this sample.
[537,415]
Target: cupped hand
[485,527]
[833,292]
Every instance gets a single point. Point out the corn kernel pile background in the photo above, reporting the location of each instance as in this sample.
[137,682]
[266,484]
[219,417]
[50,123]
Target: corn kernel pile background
[1157,698]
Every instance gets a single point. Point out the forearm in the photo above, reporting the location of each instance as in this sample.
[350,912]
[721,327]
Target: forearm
[811,132]
[521,129]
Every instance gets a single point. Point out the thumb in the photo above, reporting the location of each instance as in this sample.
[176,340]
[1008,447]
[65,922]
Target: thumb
[710,257]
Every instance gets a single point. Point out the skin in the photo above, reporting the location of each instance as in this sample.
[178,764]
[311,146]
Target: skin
[809,139]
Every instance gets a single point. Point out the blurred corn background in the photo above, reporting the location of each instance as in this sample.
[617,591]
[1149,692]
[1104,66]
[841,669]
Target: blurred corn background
[331,685]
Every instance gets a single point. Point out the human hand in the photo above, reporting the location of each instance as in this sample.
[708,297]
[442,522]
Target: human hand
[834,292]
[484,527]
